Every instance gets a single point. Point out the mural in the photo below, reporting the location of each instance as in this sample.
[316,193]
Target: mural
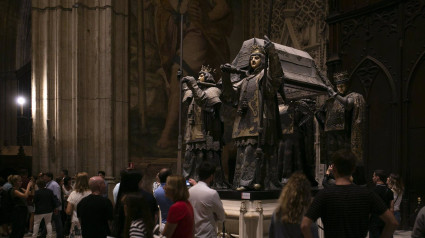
[208,26]
[213,33]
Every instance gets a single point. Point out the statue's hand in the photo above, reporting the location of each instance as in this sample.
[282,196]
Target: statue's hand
[189,80]
[331,92]
[228,68]
[268,45]
[194,11]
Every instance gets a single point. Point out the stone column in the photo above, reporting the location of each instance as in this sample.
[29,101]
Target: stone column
[80,86]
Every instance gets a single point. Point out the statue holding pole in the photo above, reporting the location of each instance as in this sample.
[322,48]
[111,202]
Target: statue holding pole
[204,128]
[256,130]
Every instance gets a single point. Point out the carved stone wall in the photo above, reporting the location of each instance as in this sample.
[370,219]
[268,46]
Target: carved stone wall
[296,23]
[381,45]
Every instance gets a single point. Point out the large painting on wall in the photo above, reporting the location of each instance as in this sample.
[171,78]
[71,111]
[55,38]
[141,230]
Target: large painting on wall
[212,34]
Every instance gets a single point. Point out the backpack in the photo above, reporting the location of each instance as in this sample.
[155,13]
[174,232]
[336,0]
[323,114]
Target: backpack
[6,201]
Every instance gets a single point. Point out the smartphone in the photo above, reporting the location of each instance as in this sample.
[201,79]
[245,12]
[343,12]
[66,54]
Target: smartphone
[187,183]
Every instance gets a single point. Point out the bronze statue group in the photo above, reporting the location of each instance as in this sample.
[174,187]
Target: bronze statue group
[273,136]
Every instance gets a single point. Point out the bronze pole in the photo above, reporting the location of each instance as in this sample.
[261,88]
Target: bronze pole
[141,65]
[179,77]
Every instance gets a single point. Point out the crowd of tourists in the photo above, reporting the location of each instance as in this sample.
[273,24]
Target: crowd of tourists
[41,206]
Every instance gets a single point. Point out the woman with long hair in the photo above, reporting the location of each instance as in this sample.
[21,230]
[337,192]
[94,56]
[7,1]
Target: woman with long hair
[81,190]
[20,210]
[138,220]
[293,204]
[180,218]
[395,183]
[130,180]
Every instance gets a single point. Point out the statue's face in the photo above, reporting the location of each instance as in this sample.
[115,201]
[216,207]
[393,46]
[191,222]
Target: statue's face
[342,88]
[255,61]
[201,77]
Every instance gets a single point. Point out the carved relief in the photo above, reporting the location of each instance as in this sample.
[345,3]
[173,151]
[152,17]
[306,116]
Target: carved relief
[366,73]
[295,23]
[386,20]
[413,10]
[361,27]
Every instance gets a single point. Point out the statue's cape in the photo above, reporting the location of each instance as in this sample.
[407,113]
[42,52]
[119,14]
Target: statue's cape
[358,125]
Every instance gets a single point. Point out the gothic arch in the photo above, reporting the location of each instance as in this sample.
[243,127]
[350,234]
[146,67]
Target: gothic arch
[415,127]
[412,74]
[367,82]
[372,77]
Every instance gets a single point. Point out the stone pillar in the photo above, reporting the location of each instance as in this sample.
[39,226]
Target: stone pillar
[80,86]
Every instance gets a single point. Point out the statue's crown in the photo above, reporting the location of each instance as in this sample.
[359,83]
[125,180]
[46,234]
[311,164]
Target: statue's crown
[341,77]
[207,69]
[257,49]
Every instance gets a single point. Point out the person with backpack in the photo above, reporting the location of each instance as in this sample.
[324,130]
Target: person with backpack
[19,197]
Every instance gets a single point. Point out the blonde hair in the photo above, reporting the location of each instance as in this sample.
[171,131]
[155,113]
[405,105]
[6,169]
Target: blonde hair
[294,199]
[176,186]
[82,182]
[396,183]
[13,179]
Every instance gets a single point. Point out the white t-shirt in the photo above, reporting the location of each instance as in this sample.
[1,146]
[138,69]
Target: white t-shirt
[74,198]
[397,200]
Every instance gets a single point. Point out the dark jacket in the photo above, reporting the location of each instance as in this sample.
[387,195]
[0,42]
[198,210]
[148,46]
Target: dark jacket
[44,201]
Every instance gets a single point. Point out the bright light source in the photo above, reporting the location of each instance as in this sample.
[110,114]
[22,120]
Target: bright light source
[20,100]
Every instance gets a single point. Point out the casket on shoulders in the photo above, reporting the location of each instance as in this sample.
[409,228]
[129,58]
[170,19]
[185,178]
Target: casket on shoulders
[302,78]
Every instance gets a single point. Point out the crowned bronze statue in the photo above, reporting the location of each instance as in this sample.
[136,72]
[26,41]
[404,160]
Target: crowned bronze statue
[255,130]
[204,128]
[342,118]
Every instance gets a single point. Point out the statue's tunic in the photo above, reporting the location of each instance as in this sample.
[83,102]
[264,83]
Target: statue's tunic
[247,124]
[344,127]
[203,132]
[296,148]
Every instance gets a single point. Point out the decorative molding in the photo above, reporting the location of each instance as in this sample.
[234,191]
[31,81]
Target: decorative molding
[296,23]
[243,208]
[259,207]
[413,10]
[384,69]
[79,5]
[336,17]
[351,28]
[386,19]
[367,73]
[411,73]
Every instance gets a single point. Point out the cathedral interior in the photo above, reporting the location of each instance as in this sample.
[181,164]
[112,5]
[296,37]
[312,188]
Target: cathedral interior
[99,77]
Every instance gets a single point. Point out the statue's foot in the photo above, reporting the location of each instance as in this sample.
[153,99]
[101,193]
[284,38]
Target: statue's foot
[241,188]
[257,186]
[221,186]
[164,142]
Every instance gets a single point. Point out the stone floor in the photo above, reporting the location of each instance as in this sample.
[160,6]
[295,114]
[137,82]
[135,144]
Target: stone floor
[397,234]
[402,234]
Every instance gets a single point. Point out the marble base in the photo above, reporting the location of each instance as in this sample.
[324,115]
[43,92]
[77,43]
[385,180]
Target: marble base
[247,216]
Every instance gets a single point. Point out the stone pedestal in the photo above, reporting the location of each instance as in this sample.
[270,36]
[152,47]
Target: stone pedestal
[248,214]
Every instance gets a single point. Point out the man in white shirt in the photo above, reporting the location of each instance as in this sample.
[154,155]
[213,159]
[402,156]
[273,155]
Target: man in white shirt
[207,206]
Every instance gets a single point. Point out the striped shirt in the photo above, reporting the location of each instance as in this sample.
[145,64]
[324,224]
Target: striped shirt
[345,210]
[137,229]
